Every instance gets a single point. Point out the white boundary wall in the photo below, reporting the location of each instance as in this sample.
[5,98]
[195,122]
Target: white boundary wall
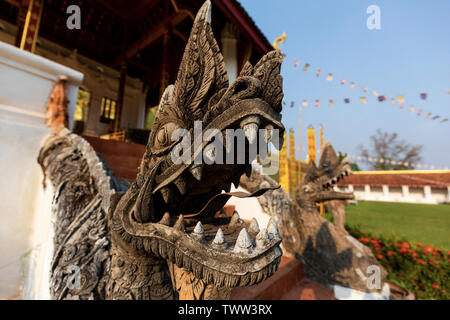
[26,81]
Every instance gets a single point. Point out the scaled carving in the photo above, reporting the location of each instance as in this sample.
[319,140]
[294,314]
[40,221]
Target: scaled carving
[160,239]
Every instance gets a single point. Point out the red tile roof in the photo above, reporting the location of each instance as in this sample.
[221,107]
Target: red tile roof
[412,178]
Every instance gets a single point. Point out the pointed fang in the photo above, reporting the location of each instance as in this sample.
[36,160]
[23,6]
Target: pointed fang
[220,238]
[196,171]
[165,219]
[179,225]
[235,219]
[243,242]
[254,227]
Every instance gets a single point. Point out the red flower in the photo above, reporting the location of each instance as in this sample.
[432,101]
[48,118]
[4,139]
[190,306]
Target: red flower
[379,256]
[435,285]
[421,261]
[428,249]
[403,250]
[377,249]
[390,253]
[418,244]
[406,244]
[413,254]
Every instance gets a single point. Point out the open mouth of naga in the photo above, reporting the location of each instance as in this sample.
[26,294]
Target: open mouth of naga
[184,228]
[319,182]
[170,210]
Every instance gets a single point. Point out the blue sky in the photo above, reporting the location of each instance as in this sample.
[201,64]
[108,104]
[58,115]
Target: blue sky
[409,55]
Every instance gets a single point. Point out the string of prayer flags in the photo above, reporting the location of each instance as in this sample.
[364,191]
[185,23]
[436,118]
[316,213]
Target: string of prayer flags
[343,81]
[305,103]
[329,77]
[331,102]
[296,63]
[317,103]
[363,100]
[423,96]
[347,100]
[318,72]
[306,67]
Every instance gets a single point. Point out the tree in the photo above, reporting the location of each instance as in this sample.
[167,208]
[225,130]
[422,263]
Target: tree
[388,152]
[354,165]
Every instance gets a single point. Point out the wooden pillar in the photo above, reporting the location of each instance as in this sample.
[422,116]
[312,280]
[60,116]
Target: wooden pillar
[32,23]
[20,21]
[120,95]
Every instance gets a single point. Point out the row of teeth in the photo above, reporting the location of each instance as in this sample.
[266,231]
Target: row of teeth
[244,244]
[334,180]
[250,127]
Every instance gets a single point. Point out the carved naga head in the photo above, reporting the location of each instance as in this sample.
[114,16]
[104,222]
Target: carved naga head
[173,202]
[318,183]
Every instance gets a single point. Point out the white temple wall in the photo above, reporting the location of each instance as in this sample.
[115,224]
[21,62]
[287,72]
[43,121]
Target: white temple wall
[26,81]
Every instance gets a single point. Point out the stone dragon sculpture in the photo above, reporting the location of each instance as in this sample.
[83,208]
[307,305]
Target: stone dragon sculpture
[330,256]
[158,238]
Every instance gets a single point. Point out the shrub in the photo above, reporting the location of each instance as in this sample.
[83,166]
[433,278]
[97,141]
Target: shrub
[422,269]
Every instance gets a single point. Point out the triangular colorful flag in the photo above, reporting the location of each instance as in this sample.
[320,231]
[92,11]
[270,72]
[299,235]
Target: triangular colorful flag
[363,100]
[444,120]
[400,99]
[331,102]
[296,63]
[423,96]
[447,92]
[318,72]
[347,100]
[393,101]
[305,103]
[316,103]
[427,115]
[411,109]
[292,104]
[381,98]
[366,89]
[352,85]
[435,117]
[306,67]
[329,77]
[375,93]
[419,112]
[343,81]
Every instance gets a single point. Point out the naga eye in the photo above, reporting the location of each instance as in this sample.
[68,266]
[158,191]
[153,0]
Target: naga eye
[162,137]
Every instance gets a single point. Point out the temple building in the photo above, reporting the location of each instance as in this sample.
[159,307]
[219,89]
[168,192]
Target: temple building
[414,186]
[127,53]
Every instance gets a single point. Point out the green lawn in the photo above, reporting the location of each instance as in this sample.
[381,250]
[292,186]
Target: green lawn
[428,224]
